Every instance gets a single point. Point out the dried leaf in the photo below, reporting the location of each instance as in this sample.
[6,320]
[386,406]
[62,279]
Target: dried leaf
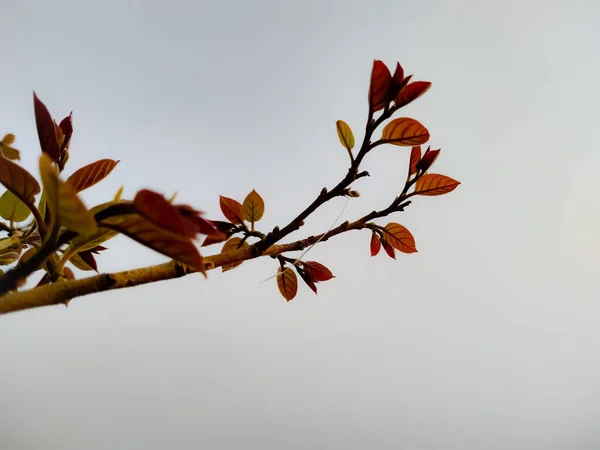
[11,208]
[435,184]
[345,134]
[399,237]
[380,86]
[375,244]
[415,157]
[142,230]
[232,209]
[91,174]
[19,182]
[317,271]
[63,202]
[287,283]
[411,92]
[405,132]
[46,129]
[232,244]
[254,207]
[427,160]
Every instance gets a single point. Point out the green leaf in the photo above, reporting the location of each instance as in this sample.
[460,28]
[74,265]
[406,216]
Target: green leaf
[11,208]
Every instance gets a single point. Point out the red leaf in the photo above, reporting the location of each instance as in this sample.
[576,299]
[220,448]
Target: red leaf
[405,132]
[411,92]
[158,210]
[415,157]
[306,278]
[224,230]
[46,129]
[91,174]
[66,126]
[147,233]
[380,86]
[317,271]
[427,160]
[388,249]
[89,259]
[435,184]
[194,223]
[399,237]
[375,244]
[287,283]
[232,209]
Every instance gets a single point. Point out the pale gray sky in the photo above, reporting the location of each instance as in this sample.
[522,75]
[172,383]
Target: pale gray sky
[486,338]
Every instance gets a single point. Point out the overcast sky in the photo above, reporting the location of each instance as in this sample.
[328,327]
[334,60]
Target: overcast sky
[488,338]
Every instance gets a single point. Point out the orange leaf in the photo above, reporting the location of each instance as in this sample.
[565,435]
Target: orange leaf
[375,244]
[415,156]
[388,249]
[345,134]
[91,174]
[399,237]
[142,230]
[46,129]
[317,271]
[232,244]
[19,182]
[287,283]
[380,86]
[405,132]
[411,92]
[232,209]
[254,207]
[427,160]
[435,184]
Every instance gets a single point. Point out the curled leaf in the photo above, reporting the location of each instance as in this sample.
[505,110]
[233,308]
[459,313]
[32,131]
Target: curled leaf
[306,278]
[66,127]
[427,160]
[345,134]
[379,87]
[415,157]
[388,248]
[434,184]
[405,132]
[411,92]
[287,283]
[91,174]
[375,244]
[254,207]
[46,129]
[399,237]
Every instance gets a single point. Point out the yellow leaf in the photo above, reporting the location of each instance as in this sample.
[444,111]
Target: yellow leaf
[345,134]
[9,152]
[254,207]
[63,202]
[230,245]
[11,208]
[8,139]
[78,262]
